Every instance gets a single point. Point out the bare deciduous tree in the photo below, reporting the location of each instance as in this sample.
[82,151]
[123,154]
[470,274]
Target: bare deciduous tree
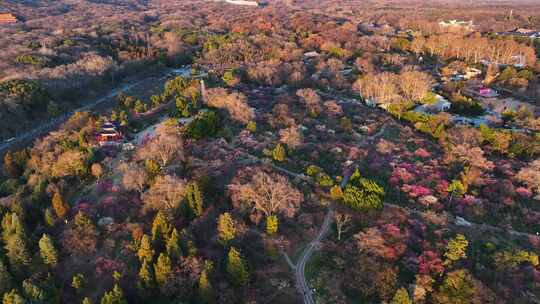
[269,193]
[530,175]
[414,85]
[342,223]
[464,148]
[134,177]
[291,136]
[333,108]
[69,163]
[235,103]
[164,147]
[166,193]
[97,170]
[381,88]
[311,99]
[281,116]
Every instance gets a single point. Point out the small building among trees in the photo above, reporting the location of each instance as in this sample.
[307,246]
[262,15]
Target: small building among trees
[440,104]
[109,135]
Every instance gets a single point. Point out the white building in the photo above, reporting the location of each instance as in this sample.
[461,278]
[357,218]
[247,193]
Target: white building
[469,25]
[243,2]
[441,104]
[312,54]
[472,73]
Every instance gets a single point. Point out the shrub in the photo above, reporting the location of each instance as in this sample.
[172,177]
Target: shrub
[232,78]
[363,194]
[429,99]
[336,193]
[206,124]
[413,117]
[252,126]
[526,74]
[313,170]
[272,225]
[29,93]
[279,154]
[31,60]
[10,186]
[324,180]
[465,106]
[507,74]
[175,86]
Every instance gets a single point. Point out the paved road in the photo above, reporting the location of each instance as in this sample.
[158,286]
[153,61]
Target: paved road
[54,123]
[300,268]
[306,255]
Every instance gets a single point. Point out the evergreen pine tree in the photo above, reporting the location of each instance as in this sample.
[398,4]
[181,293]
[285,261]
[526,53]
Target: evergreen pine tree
[236,268]
[272,224]
[162,269]
[117,276]
[13,297]
[173,245]
[278,154]
[195,199]
[205,288]
[17,251]
[115,296]
[86,300]
[83,234]
[11,224]
[355,177]
[160,228]
[251,126]
[48,251]
[60,207]
[363,194]
[456,249]
[139,106]
[336,192]
[123,118]
[401,297]
[48,217]
[456,188]
[14,238]
[145,251]
[78,281]
[146,276]
[10,166]
[32,292]
[226,228]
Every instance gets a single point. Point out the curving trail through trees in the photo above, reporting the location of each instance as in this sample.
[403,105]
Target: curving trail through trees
[300,268]
[306,255]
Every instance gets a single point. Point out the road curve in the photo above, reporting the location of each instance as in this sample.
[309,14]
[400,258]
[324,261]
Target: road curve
[306,254]
[300,268]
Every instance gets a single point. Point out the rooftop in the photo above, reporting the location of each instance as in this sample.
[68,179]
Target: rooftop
[243,2]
